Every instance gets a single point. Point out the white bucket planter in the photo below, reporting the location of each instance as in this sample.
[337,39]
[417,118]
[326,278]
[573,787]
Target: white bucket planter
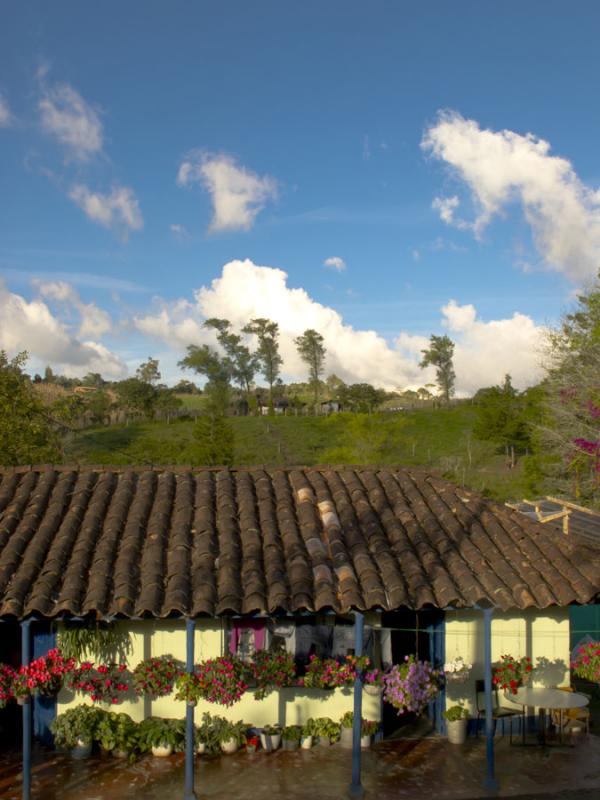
[374,691]
[324,741]
[162,750]
[346,738]
[201,748]
[306,742]
[229,746]
[457,731]
[83,749]
[120,753]
[365,742]
[270,742]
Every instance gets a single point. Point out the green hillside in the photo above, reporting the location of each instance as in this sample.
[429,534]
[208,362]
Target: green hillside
[438,439]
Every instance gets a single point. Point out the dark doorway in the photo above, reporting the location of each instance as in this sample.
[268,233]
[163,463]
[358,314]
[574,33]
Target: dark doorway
[10,716]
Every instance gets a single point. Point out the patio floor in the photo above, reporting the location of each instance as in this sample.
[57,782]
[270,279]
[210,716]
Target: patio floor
[403,769]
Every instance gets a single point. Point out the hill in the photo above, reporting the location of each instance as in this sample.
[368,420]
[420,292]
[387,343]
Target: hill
[438,439]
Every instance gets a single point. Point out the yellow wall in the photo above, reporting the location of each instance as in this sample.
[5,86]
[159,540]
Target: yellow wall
[286,706]
[542,635]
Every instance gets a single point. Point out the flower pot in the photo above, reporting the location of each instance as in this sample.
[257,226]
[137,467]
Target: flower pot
[374,691]
[270,741]
[365,742]
[162,750]
[306,742]
[346,737]
[457,731]
[201,748]
[191,703]
[324,741]
[83,749]
[229,746]
[251,748]
[290,744]
[23,701]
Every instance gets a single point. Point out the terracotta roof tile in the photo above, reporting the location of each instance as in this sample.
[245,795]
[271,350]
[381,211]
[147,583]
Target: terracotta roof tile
[143,542]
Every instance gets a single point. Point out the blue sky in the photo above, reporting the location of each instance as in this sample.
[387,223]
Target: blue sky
[145,145]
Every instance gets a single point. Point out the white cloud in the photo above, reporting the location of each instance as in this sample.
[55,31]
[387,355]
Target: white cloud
[500,167]
[94,321]
[179,232]
[117,209]
[336,263]
[485,351]
[238,195]
[71,120]
[31,326]
[6,117]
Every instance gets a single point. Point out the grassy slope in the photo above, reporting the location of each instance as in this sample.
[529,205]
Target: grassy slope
[434,438]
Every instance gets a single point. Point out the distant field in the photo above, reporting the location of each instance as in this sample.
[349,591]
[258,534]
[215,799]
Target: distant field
[438,439]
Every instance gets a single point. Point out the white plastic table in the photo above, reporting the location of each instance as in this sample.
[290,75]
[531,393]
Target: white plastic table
[544,699]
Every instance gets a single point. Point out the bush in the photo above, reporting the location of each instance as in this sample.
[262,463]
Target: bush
[76,723]
[455,713]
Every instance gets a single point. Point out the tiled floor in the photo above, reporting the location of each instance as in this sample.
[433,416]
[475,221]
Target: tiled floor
[398,770]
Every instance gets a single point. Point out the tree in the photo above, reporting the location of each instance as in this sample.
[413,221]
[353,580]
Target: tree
[503,417]
[312,351]
[93,379]
[244,364]
[214,441]
[27,432]
[148,371]
[440,354]
[360,397]
[49,376]
[267,352]
[136,396]
[217,370]
[166,401]
[186,387]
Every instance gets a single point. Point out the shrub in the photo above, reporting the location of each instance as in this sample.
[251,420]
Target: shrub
[455,713]
[80,722]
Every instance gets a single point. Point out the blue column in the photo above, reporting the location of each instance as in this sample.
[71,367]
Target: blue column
[25,659]
[356,789]
[189,793]
[490,777]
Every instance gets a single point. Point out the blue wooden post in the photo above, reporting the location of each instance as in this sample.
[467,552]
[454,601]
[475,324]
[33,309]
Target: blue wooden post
[356,789]
[25,659]
[189,793]
[490,778]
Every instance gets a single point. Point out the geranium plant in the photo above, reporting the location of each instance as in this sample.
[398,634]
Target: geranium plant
[271,670]
[155,676]
[105,683]
[410,686]
[586,663]
[220,680]
[328,673]
[7,676]
[511,672]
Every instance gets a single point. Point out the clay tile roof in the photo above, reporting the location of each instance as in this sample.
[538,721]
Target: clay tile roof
[161,542]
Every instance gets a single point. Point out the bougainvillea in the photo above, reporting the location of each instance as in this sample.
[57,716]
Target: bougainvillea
[105,683]
[155,676]
[586,663]
[270,670]
[511,672]
[7,676]
[411,686]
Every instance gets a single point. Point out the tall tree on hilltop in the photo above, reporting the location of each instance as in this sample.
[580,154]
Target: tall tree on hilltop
[440,354]
[148,372]
[267,352]
[312,351]
[216,369]
[244,364]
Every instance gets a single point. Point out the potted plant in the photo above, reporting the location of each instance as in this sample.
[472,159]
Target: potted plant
[290,737]
[126,738]
[271,670]
[206,736]
[368,729]
[154,677]
[329,673]
[326,730]
[105,733]
[230,735]
[252,744]
[586,664]
[373,682]
[457,718]
[161,736]
[23,686]
[511,672]
[221,680]
[307,733]
[270,737]
[75,729]
[7,677]
[105,683]
[186,688]
[410,686]
[457,670]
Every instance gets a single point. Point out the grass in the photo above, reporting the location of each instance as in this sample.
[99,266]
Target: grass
[437,439]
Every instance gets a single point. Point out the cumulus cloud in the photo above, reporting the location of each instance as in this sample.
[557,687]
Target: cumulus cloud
[117,209]
[94,321]
[6,116]
[237,194]
[31,326]
[484,352]
[501,167]
[336,263]
[67,117]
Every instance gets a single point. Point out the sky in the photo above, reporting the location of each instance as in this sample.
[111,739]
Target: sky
[377,171]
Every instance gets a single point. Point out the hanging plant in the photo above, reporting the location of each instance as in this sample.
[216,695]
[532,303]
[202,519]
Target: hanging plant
[104,684]
[7,677]
[222,680]
[270,670]
[96,640]
[586,663]
[329,673]
[511,672]
[409,687]
[155,676]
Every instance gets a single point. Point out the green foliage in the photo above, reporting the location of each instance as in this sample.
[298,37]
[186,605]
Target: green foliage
[243,364]
[311,349]
[454,713]
[326,728]
[267,351]
[148,372]
[223,730]
[360,397]
[27,432]
[214,441]
[363,439]
[208,734]
[80,722]
[161,732]
[98,641]
[440,354]
[309,728]
[218,373]
[291,733]
[136,396]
